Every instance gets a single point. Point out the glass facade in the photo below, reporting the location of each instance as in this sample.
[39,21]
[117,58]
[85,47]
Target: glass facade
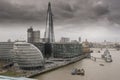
[66,50]
[27,56]
[5,48]
[61,50]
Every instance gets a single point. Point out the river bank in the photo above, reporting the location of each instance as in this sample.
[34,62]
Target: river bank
[57,64]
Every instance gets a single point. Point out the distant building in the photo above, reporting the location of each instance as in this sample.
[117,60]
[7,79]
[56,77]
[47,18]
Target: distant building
[42,40]
[86,47]
[20,41]
[36,36]
[104,44]
[5,48]
[30,35]
[85,43]
[65,40]
[74,41]
[27,56]
[33,36]
[79,39]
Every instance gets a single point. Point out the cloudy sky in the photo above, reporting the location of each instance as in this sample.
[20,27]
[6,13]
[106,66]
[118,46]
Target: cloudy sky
[96,20]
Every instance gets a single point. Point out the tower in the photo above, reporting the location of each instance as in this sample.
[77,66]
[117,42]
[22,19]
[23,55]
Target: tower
[36,36]
[79,39]
[30,35]
[49,32]
[33,36]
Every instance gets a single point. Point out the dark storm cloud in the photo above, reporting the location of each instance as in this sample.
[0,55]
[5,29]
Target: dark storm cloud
[16,12]
[63,10]
[92,19]
[114,7]
[101,10]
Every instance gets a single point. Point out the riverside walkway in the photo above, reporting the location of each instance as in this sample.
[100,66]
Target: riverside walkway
[55,65]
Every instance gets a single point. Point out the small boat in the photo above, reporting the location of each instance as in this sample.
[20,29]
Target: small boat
[101,64]
[74,71]
[106,56]
[98,51]
[78,72]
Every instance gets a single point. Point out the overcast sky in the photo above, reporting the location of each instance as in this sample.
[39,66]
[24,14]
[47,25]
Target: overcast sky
[96,20]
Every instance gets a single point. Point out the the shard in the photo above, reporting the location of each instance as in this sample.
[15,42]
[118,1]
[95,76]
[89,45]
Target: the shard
[49,32]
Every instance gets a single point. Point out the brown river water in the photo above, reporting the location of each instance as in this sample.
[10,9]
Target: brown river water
[93,70]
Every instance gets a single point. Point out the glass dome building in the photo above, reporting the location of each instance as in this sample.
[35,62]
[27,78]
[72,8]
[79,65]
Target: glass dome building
[27,56]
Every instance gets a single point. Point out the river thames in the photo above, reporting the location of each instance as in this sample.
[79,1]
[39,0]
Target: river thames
[93,70]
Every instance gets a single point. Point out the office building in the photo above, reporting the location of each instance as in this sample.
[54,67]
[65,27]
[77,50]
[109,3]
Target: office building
[36,36]
[86,47]
[33,36]
[65,40]
[74,41]
[79,39]
[67,50]
[27,56]
[5,48]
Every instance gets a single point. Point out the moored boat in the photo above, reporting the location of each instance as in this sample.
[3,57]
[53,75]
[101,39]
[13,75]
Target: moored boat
[106,56]
[74,71]
[81,72]
[78,72]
